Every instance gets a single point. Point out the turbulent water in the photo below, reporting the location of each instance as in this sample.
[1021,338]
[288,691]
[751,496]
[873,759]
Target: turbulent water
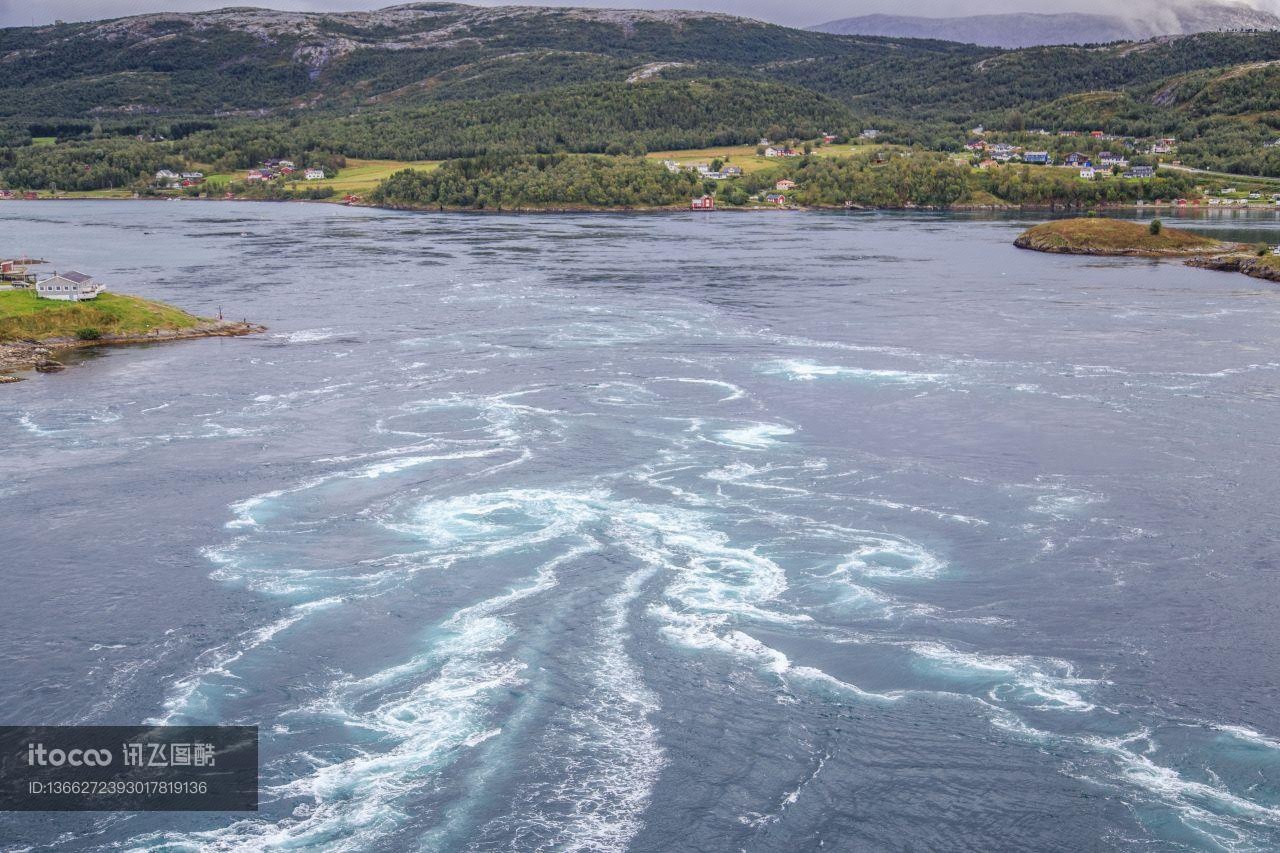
[657,533]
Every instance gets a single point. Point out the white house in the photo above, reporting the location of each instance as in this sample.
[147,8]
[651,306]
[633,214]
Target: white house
[69,287]
[1087,173]
[314,174]
[166,175]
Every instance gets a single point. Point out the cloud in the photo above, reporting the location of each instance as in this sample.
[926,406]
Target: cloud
[26,12]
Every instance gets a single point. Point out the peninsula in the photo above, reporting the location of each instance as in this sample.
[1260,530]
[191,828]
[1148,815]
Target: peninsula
[33,330]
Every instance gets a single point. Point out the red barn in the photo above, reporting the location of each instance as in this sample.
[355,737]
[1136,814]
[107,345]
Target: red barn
[706,202]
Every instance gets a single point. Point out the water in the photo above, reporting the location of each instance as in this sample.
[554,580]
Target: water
[658,533]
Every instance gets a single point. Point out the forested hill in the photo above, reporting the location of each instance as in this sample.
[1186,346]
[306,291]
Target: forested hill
[242,61]
[449,80]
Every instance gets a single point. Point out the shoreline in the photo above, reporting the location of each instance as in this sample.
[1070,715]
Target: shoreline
[40,354]
[753,208]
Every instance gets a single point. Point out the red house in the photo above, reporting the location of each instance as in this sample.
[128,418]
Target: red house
[706,202]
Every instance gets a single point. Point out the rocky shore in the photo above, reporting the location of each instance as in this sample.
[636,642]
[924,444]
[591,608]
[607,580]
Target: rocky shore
[1266,267]
[41,354]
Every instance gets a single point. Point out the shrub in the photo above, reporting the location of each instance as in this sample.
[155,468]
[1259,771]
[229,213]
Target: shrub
[1156,227]
[1262,249]
[88,334]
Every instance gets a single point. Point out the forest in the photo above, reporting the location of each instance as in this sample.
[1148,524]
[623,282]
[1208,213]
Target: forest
[224,90]
[497,182]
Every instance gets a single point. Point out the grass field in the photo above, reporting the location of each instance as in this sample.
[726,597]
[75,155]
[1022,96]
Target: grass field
[746,157]
[358,178]
[361,176]
[43,140]
[23,315]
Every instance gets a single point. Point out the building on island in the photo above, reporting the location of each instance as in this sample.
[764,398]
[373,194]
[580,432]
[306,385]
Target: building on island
[69,287]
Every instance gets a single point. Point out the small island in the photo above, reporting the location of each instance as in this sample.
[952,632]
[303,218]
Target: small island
[1118,237]
[1100,236]
[70,311]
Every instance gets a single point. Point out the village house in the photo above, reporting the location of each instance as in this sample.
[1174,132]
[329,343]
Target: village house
[255,175]
[1039,158]
[1163,146]
[776,198]
[775,151]
[69,287]
[1088,173]
[672,165]
[828,138]
[165,176]
[785,184]
[6,193]
[314,174]
[870,133]
[1002,152]
[988,164]
[705,202]
[197,177]
[1140,172]
[1075,158]
[732,171]
[1107,160]
[975,145]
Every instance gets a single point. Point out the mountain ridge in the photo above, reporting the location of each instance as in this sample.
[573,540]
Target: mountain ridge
[1031,29]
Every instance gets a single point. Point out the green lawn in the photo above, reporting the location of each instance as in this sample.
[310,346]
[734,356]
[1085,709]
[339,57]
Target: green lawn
[43,140]
[361,176]
[23,315]
[746,157]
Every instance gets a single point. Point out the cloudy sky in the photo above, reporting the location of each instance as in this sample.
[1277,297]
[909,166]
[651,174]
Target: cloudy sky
[790,12]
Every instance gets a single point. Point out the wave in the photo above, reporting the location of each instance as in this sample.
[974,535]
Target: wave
[807,371]
[755,436]
[893,558]
[1027,683]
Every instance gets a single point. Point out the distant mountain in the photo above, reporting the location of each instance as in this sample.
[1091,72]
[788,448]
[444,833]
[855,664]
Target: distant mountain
[1030,29]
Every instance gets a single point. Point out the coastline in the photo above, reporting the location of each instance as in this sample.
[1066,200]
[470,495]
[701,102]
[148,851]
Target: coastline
[40,354]
[1051,207]
[1253,266]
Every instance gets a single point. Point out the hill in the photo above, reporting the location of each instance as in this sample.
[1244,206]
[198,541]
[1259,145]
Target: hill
[259,62]
[1026,29]
[223,90]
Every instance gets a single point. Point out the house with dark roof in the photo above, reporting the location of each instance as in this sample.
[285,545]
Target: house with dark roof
[69,287]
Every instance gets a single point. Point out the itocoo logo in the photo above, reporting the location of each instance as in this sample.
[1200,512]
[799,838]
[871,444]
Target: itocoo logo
[38,756]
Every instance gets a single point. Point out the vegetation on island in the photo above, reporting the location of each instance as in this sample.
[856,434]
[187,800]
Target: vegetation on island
[1102,236]
[24,316]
